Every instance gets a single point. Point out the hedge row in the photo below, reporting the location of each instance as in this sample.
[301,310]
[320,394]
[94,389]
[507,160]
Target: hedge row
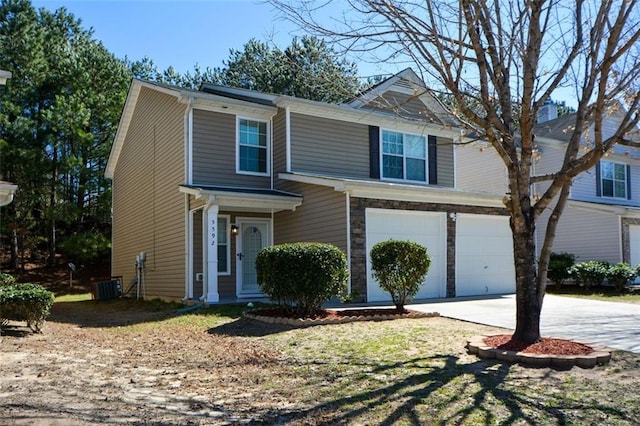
[24,302]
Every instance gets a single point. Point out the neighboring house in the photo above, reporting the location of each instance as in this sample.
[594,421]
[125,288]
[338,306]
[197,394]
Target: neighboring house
[7,192]
[602,218]
[202,180]
[7,189]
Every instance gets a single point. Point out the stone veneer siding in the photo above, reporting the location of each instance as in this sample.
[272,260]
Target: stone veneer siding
[626,243]
[358,207]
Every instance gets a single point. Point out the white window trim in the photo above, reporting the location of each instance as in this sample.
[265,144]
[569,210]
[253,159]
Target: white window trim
[404,158]
[626,181]
[228,234]
[268,153]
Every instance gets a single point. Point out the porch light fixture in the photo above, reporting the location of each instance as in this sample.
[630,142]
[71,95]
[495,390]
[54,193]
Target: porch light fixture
[234,229]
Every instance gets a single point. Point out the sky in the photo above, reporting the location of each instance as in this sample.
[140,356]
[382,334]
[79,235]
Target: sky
[183,33]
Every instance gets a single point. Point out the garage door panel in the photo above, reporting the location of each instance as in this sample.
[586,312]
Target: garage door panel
[425,228]
[484,255]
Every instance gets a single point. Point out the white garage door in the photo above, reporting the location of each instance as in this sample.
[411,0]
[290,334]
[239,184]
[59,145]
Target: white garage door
[484,255]
[426,228]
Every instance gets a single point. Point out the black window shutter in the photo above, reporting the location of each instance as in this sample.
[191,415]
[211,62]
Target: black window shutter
[598,181]
[433,159]
[374,152]
[628,182]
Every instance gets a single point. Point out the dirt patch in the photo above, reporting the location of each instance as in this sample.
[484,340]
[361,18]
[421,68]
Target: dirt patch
[123,362]
[94,364]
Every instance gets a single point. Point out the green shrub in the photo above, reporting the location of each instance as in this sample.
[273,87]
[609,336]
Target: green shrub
[302,276]
[6,279]
[591,273]
[25,302]
[620,275]
[400,267]
[559,265]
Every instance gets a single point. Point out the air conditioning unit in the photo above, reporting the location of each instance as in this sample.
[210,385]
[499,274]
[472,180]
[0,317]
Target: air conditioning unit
[109,289]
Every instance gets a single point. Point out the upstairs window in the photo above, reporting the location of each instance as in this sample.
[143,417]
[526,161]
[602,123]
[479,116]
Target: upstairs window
[614,179]
[253,146]
[404,156]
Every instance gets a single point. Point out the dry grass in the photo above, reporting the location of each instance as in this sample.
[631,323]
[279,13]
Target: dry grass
[128,362]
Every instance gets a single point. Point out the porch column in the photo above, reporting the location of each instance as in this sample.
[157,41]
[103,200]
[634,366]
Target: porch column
[210,287]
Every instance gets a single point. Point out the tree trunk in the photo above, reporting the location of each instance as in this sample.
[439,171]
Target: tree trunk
[528,304]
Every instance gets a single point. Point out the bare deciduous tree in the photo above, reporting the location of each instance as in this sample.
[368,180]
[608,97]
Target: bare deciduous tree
[502,60]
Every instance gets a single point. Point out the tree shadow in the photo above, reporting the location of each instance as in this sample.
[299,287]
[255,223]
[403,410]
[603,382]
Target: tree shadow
[408,397]
[246,327]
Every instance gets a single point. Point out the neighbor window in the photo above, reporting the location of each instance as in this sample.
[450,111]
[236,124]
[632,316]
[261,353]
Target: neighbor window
[223,245]
[404,156]
[253,141]
[613,179]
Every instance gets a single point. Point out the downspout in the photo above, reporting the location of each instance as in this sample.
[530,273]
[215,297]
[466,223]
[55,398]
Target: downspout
[288,137]
[272,172]
[348,201]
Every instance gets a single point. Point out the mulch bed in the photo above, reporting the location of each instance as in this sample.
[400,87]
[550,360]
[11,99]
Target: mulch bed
[545,346]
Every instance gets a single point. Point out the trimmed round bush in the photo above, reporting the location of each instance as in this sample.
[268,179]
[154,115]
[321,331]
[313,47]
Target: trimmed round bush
[620,275]
[400,267]
[591,273]
[302,276]
[25,302]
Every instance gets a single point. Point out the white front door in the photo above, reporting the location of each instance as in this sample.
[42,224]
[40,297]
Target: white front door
[253,236]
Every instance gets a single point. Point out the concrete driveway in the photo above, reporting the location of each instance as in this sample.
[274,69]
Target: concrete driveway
[616,325]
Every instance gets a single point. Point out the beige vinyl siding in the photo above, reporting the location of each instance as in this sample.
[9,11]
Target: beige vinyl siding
[480,169]
[445,162]
[197,252]
[321,145]
[214,152]
[148,209]
[322,217]
[589,235]
[280,142]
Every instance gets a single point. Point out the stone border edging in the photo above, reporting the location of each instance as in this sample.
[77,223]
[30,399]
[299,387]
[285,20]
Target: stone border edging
[303,322]
[600,355]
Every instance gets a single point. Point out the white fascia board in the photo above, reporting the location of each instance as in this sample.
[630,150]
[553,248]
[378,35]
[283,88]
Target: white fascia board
[399,192]
[123,127]
[243,201]
[224,105]
[368,117]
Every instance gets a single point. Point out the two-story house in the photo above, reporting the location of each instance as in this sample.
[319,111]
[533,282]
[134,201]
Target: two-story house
[202,180]
[602,218]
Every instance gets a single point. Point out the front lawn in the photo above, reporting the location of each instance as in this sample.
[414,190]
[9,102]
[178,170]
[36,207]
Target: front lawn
[124,361]
[608,294]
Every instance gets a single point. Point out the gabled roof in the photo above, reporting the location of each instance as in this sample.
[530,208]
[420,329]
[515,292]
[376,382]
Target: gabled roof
[401,94]
[561,129]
